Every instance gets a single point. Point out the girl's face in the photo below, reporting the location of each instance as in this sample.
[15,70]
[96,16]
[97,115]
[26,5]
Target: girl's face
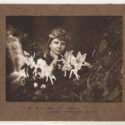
[57,46]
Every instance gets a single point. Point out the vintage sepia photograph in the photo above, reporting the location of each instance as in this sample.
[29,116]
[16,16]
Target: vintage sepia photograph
[64,59]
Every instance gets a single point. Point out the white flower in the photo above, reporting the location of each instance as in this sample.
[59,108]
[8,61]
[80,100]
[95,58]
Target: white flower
[43,86]
[35,84]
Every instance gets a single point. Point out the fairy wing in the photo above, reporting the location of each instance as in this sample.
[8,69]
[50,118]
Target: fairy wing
[41,62]
[81,58]
[78,55]
[73,60]
[67,56]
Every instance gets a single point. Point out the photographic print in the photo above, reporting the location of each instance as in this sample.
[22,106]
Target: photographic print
[64,58]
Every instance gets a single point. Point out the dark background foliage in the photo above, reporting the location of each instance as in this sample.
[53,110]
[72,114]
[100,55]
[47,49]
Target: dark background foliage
[85,31]
[100,33]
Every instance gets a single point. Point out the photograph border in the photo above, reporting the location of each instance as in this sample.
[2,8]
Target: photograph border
[57,111]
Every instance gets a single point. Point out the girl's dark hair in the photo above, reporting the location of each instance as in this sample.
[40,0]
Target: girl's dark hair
[59,33]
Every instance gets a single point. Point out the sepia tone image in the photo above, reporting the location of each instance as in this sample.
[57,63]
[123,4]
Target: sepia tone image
[64,58]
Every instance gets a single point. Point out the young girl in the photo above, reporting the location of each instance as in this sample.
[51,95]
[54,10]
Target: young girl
[57,45]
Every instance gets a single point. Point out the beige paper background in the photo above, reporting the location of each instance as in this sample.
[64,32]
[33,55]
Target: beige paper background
[41,110]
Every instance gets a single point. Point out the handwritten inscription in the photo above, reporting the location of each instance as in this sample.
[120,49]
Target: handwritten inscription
[62,109]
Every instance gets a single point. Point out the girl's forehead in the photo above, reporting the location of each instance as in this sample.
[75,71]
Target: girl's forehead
[58,40]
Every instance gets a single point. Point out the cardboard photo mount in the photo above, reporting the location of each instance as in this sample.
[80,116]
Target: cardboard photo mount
[57,111]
